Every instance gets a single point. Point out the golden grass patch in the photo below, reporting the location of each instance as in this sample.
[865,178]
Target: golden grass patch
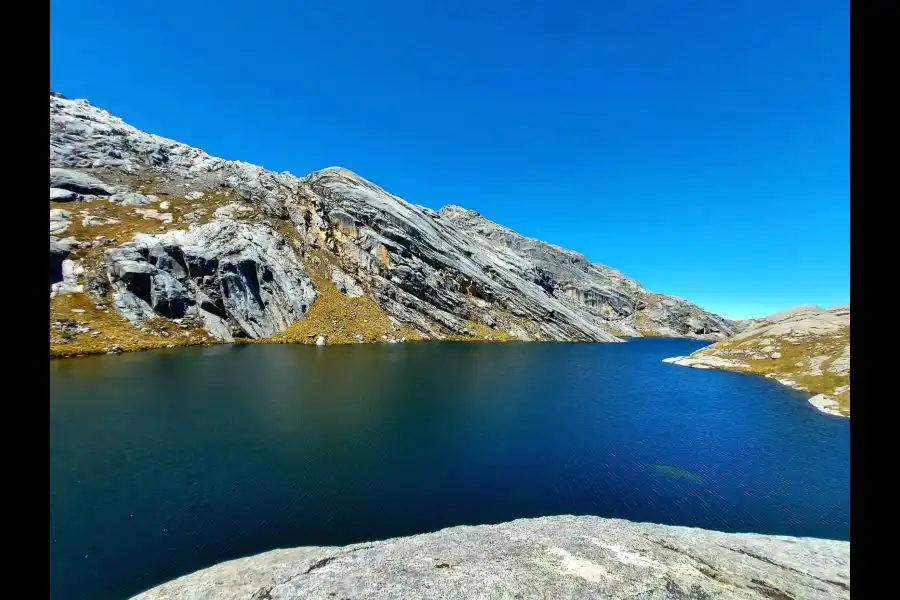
[114,330]
[794,362]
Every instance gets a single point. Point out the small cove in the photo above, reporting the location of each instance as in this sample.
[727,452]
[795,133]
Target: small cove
[168,461]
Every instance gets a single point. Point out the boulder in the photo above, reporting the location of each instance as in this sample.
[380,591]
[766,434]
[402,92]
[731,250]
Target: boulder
[132,199]
[79,183]
[61,195]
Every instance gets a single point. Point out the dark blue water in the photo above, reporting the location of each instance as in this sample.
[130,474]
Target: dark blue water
[165,462]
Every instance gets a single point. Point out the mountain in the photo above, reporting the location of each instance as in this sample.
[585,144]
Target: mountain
[155,243]
[806,348]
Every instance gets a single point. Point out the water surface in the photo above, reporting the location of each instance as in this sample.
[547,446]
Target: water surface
[168,461]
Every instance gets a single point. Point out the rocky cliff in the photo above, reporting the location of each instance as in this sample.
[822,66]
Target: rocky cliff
[154,243]
[806,348]
[551,557]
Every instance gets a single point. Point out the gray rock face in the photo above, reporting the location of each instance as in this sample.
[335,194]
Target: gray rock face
[242,275]
[69,274]
[345,284]
[61,195]
[438,272]
[409,251]
[552,557]
[131,199]
[79,183]
[604,293]
[59,220]
[59,251]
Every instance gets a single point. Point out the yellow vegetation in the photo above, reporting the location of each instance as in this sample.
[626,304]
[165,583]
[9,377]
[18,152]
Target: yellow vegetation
[338,317]
[114,330]
[341,318]
[794,362]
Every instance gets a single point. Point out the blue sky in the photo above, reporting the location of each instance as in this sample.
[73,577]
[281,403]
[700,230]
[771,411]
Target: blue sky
[701,147]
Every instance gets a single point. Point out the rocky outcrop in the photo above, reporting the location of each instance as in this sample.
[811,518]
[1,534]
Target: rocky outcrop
[77,183]
[443,274]
[806,348]
[550,557]
[242,280]
[619,303]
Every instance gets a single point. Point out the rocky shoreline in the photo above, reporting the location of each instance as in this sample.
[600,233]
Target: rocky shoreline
[550,557]
[805,348]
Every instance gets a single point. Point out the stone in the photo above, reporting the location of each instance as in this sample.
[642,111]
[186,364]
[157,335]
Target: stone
[825,404]
[61,195]
[841,364]
[168,297]
[67,279]
[94,221]
[193,196]
[233,210]
[194,216]
[79,183]
[149,213]
[345,284]
[58,253]
[132,199]
[68,329]
[705,362]
[320,341]
[550,557]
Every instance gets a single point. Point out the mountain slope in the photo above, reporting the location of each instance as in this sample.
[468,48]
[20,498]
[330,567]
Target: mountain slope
[806,348]
[164,245]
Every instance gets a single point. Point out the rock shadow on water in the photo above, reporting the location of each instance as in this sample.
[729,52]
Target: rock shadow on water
[677,473]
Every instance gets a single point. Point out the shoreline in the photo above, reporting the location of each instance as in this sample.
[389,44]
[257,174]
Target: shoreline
[821,402]
[56,355]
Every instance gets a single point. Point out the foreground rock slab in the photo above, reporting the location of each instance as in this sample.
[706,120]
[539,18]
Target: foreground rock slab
[551,557]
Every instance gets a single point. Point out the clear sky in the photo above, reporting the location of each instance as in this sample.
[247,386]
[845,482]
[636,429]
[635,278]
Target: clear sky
[700,147]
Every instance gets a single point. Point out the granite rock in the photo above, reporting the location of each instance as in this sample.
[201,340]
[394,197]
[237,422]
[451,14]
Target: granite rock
[562,557]
[240,274]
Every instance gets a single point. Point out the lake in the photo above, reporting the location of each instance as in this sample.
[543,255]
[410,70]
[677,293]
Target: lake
[165,462]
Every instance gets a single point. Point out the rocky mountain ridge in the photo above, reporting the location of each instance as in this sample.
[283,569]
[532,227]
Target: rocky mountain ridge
[150,238]
[550,557]
[806,348]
